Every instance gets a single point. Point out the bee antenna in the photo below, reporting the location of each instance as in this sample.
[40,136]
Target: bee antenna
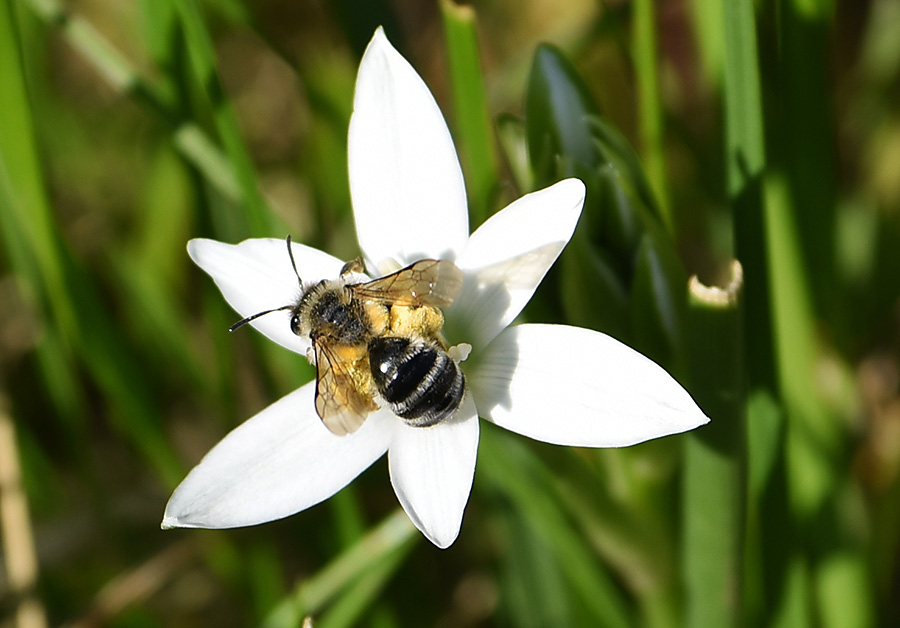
[293,263]
[244,321]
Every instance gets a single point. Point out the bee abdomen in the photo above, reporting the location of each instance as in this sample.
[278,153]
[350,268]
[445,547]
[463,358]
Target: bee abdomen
[420,381]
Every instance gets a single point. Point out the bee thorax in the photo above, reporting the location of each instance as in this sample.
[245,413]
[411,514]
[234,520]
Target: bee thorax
[328,310]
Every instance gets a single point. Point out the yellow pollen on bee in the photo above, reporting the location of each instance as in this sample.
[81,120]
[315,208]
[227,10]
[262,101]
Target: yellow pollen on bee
[378,317]
[423,320]
[357,357]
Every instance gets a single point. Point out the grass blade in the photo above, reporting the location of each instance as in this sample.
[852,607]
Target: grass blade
[392,536]
[650,114]
[69,296]
[206,76]
[472,122]
[745,148]
[190,140]
[508,465]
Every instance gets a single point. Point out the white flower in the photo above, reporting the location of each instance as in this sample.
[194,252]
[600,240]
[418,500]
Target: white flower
[554,383]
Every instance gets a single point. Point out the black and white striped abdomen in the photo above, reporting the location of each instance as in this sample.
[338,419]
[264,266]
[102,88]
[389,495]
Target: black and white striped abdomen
[417,378]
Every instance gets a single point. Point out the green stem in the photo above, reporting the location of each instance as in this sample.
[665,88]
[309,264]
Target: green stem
[714,473]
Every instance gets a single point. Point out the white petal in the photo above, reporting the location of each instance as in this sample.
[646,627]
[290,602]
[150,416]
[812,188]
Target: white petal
[409,199]
[508,256]
[256,275]
[275,464]
[573,386]
[432,470]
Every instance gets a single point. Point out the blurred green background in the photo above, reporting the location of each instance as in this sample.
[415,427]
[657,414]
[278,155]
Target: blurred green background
[706,131]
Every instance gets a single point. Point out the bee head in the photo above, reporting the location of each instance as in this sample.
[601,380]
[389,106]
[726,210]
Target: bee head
[295,319]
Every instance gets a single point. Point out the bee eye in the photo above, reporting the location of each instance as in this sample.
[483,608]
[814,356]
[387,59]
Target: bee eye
[295,324]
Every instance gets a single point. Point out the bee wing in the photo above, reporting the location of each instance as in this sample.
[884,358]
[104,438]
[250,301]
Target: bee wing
[427,282]
[339,403]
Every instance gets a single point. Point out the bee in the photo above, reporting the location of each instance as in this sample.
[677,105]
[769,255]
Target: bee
[379,340]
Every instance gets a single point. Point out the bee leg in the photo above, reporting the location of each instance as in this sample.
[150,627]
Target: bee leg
[353,266]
